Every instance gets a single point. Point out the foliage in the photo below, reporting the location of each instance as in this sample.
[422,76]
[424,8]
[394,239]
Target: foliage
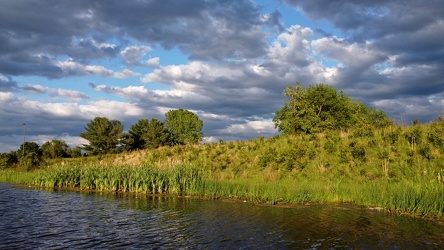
[156,134]
[29,147]
[30,161]
[8,160]
[321,107]
[103,135]
[149,134]
[399,168]
[136,132]
[184,126]
[54,149]
[74,152]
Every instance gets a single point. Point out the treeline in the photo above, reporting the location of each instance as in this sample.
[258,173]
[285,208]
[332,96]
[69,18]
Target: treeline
[180,127]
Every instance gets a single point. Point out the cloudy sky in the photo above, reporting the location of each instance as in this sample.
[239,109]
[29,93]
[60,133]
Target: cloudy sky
[62,63]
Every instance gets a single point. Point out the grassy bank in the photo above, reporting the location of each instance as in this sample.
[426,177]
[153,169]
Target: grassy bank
[399,168]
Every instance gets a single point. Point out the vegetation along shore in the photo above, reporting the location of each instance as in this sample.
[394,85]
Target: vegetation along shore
[331,149]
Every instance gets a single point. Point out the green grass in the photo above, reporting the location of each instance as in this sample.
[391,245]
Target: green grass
[399,168]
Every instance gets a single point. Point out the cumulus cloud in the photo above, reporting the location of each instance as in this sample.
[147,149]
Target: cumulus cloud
[51,120]
[71,68]
[201,29]
[373,19]
[239,88]
[234,60]
[250,129]
[389,48]
[133,55]
[71,95]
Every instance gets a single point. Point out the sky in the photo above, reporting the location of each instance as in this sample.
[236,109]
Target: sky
[63,63]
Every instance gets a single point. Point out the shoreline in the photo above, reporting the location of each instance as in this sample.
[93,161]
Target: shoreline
[283,205]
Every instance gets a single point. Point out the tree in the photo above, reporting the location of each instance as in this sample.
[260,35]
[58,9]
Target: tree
[103,135]
[136,132]
[8,160]
[31,157]
[184,126]
[156,135]
[54,149]
[127,142]
[321,107]
[29,147]
[148,134]
[74,152]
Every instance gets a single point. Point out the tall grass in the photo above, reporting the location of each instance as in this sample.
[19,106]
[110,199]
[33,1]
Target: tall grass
[399,168]
[179,179]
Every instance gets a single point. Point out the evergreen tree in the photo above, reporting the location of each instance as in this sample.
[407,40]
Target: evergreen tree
[149,134]
[103,135]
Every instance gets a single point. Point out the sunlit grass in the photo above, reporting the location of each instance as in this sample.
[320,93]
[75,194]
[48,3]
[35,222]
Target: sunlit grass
[397,168]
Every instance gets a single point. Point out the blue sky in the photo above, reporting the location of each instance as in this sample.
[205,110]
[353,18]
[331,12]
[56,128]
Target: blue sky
[62,63]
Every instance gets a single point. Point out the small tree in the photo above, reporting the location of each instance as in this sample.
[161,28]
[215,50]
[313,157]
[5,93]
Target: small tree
[184,126]
[103,135]
[54,149]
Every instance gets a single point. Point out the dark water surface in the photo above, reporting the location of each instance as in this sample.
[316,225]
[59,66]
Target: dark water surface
[38,219]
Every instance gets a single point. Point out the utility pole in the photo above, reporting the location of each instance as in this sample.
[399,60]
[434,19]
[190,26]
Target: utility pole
[24,138]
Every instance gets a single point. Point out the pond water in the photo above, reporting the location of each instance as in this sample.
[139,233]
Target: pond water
[31,218]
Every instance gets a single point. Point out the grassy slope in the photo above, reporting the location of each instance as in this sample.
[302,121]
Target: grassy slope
[398,168]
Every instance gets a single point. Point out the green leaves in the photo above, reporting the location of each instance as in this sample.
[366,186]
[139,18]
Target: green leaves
[184,126]
[180,127]
[321,107]
[54,149]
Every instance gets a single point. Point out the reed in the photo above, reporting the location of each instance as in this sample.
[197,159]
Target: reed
[399,168]
[180,179]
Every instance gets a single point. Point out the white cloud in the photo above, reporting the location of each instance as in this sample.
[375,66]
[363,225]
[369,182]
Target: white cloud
[6,96]
[70,67]
[110,109]
[133,55]
[291,47]
[354,55]
[71,95]
[254,128]
[153,62]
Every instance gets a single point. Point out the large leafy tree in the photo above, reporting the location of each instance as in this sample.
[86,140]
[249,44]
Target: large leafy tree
[321,107]
[184,126]
[54,149]
[103,135]
[149,134]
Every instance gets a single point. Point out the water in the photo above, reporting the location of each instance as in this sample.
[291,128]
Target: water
[38,219]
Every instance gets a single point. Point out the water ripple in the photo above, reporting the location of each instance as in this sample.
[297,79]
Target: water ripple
[31,219]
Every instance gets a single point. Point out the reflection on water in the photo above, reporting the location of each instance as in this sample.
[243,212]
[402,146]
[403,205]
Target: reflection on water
[32,219]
